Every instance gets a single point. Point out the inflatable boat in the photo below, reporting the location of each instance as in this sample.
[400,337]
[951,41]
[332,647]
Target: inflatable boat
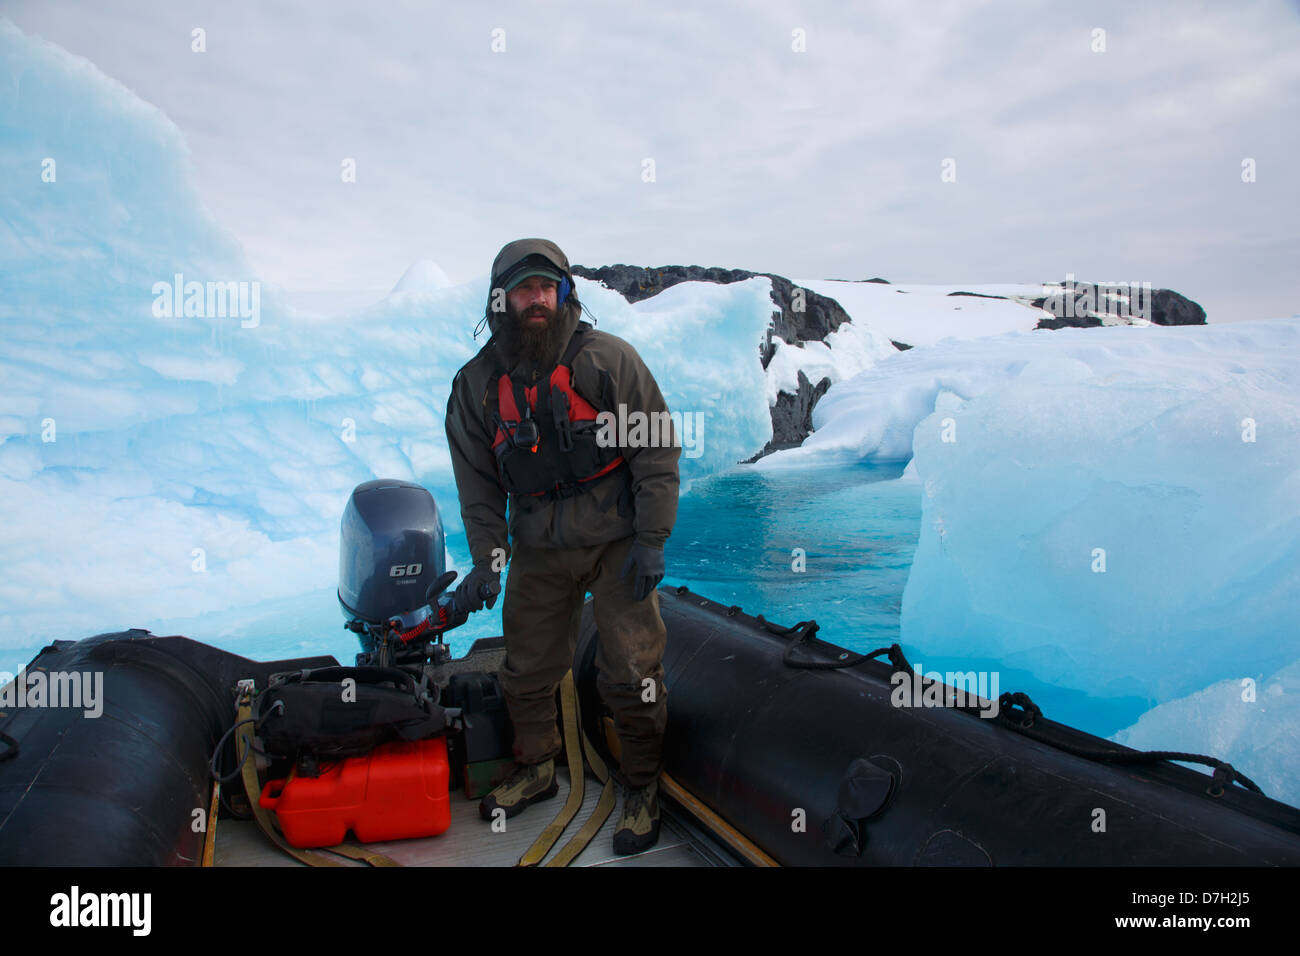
[782,749]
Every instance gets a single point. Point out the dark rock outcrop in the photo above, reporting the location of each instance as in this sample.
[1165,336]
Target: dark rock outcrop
[1070,322]
[798,315]
[1167,308]
[635,283]
[1170,308]
[792,416]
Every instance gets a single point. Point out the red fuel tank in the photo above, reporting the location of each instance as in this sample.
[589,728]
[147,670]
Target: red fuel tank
[398,792]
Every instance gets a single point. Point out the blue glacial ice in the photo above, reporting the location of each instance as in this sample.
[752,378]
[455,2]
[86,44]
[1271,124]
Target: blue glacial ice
[1116,510]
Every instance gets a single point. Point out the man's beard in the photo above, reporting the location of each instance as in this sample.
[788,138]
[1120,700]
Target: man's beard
[526,341]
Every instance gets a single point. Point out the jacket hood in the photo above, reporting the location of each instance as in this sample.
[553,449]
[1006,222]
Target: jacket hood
[511,255]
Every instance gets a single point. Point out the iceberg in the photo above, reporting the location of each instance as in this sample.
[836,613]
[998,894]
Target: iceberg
[1112,510]
[165,460]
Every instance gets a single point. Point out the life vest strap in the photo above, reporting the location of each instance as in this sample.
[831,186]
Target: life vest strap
[569,458]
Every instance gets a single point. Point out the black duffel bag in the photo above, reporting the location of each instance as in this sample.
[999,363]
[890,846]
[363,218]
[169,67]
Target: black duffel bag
[311,715]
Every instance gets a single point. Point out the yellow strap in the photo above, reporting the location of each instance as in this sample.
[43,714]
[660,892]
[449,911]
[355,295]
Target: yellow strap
[263,816]
[210,838]
[577,778]
[354,852]
[604,807]
[578,843]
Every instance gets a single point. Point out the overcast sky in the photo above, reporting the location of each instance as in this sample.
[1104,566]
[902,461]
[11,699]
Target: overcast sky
[1115,164]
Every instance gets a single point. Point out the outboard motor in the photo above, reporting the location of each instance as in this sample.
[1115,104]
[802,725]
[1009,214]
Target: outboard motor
[392,548]
[391,590]
[392,557]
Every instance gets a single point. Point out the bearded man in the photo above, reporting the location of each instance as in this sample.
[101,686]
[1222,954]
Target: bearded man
[521,426]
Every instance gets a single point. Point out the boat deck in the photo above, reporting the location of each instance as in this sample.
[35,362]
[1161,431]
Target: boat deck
[471,841]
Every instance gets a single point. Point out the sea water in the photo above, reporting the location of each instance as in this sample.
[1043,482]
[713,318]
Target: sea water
[740,538]
[832,544]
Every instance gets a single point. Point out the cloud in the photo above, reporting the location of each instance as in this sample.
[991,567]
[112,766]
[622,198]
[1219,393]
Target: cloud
[1123,163]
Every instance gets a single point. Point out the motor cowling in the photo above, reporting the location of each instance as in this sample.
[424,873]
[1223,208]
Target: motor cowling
[391,549]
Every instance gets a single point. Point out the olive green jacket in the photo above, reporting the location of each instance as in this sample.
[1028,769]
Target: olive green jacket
[607,372]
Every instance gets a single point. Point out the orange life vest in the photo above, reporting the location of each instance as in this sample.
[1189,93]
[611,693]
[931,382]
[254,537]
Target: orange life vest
[545,441]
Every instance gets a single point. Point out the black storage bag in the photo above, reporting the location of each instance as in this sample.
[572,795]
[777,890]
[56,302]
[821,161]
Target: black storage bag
[310,715]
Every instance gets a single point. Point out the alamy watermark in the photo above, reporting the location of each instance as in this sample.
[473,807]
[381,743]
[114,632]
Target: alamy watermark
[1119,300]
[961,689]
[80,690]
[75,908]
[651,430]
[209,300]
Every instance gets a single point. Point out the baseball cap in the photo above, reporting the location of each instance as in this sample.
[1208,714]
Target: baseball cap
[534,265]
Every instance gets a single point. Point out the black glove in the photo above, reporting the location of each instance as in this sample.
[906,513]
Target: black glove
[649,563]
[481,584]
